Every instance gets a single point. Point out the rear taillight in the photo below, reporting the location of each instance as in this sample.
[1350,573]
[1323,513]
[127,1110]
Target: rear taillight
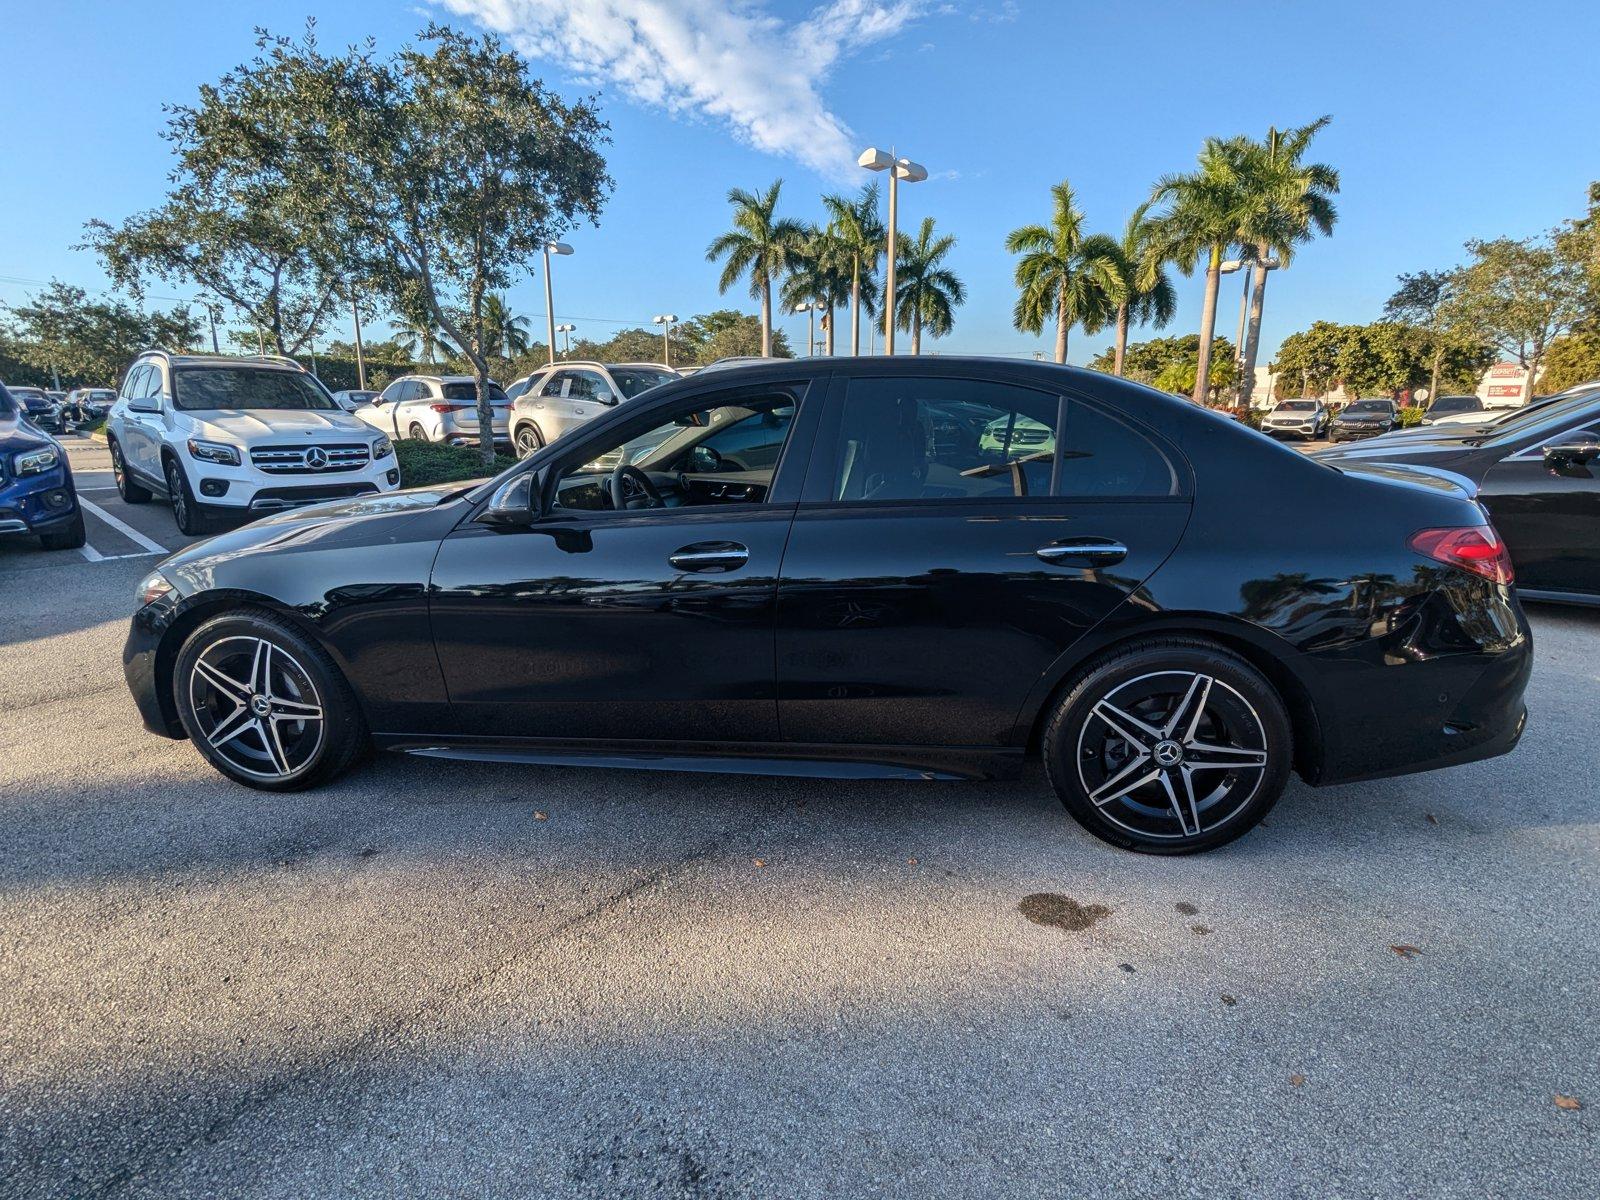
[1475,548]
[442,408]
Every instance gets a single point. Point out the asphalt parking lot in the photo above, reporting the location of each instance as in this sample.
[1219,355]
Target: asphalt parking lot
[437,979]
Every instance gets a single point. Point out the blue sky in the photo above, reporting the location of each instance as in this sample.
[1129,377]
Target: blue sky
[1452,120]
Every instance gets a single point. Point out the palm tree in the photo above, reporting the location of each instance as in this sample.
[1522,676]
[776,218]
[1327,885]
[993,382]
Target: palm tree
[1065,275]
[1205,211]
[761,244]
[417,337]
[926,292]
[504,334]
[1290,203]
[819,274]
[855,223]
[1150,298]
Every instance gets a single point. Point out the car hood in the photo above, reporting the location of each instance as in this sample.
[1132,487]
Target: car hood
[1358,418]
[1445,454]
[254,426]
[16,434]
[362,521]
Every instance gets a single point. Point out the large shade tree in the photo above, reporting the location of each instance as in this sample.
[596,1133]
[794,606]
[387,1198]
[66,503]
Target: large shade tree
[761,245]
[927,292]
[438,174]
[1066,275]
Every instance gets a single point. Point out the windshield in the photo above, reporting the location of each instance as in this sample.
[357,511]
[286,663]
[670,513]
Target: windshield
[1298,406]
[1369,406]
[196,388]
[1450,404]
[469,391]
[631,383]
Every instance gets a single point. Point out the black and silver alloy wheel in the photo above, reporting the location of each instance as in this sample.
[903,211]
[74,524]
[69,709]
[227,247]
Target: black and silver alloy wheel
[131,492]
[265,704]
[1172,754]
[528,441]
[256,706]
[1168,746]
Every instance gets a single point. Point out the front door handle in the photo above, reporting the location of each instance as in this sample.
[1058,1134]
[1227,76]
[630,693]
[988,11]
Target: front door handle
[710,557]
[1083,552]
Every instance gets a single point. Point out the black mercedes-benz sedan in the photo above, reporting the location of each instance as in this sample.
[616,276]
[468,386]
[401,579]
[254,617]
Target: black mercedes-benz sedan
[1537,473]
[854,568]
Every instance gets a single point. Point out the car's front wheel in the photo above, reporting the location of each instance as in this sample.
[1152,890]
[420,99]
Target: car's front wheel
[186,511]
[266,705]
[1169,747]
[72,537]
[527,440]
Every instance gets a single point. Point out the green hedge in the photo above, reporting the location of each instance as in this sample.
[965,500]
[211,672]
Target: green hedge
[1409,416]
[423,464]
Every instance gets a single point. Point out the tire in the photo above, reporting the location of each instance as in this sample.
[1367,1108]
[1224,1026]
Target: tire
[131,492]
[246,685]
[70,538]
[191,518]
[1170,746]
[528,440]
[417,433]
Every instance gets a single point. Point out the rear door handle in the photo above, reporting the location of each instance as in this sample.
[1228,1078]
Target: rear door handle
[1083,552]
[710,557]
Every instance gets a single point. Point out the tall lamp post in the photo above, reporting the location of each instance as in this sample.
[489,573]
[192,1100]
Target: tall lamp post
[562,329]
[206,303]
[810,309]
[549,303]
[874,159]
[666,321]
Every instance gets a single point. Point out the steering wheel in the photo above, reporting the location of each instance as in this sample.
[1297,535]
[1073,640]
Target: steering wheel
[630,484]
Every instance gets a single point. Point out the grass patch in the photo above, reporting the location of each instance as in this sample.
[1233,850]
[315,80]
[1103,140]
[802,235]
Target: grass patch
[423,464]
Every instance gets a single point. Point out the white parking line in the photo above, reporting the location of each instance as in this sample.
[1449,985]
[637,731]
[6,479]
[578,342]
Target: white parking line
[122,527]
[91,553]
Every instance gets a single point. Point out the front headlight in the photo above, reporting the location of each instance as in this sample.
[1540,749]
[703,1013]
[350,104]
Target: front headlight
[214,452]
[382,448]
[152,588]
[35,461]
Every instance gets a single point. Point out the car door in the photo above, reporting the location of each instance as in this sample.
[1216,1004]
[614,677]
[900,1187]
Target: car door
[650,625]
[148,425]
[1548,512]
[131,426]
[384,412]
[957,534]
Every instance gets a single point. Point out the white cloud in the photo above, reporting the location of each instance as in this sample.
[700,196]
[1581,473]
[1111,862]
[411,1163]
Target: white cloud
[726,60]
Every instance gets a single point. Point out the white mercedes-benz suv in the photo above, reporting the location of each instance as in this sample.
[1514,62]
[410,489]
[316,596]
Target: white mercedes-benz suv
[242,436]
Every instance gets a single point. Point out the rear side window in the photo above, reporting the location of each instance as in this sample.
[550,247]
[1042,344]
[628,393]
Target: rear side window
[914,438]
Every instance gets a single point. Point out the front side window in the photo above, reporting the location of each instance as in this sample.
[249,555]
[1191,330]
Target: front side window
[134,381]
[696,456]
[633,381]
[585,386]
[253,388]
[553,385]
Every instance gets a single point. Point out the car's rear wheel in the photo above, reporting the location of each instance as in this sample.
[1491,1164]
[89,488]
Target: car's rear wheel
[417,433]
[1169,747]
[131,492]
[186,511]
[266,705]
[70,538]
[528,440]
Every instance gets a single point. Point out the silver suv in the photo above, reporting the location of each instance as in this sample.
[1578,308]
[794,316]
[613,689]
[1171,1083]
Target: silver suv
[435,408]
[564,395]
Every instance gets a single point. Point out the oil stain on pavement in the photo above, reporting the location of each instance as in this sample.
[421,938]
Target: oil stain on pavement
[1047,908]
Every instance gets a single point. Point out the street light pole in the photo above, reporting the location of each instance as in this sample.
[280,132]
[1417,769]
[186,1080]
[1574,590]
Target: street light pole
[211,318]
[874,159]
[565,329]
[549,302]
[665,320]
[810,309]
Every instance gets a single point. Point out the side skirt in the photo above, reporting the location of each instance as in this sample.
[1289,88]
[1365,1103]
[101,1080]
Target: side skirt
[753,758]
[1586,599]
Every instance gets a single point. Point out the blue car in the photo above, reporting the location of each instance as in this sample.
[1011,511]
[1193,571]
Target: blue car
[36,493]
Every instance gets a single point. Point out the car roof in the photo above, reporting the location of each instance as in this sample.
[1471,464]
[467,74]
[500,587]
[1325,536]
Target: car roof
[270,362]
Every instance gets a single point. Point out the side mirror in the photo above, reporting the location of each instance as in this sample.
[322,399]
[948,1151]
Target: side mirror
[1578,453]
[144,404]
[605,396]
[513,504]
